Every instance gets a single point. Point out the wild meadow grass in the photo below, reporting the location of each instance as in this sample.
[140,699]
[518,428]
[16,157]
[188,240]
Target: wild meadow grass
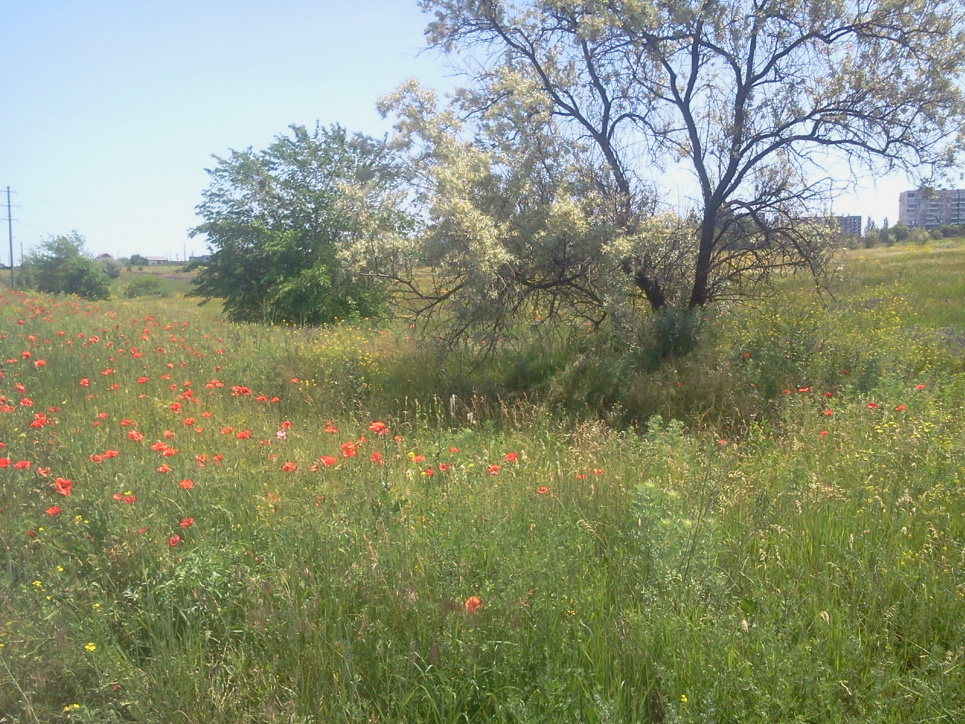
[205,522]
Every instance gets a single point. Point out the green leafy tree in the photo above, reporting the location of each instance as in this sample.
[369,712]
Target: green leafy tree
[61,265]
[752,99]
[111,268]
[288,228]
[137,260]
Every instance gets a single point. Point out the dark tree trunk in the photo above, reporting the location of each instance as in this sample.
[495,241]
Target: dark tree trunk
[700,294]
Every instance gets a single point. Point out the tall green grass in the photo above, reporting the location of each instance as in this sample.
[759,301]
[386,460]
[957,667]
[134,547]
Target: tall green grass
[777,535]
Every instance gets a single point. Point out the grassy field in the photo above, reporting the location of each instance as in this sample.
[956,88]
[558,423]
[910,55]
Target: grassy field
[205,522]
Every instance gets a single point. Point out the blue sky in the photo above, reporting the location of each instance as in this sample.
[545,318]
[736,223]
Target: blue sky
[110,110]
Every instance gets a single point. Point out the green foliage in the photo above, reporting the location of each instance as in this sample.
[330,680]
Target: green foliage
[111,268]
[282,222]
[804,566]
[144,286]
[61,265]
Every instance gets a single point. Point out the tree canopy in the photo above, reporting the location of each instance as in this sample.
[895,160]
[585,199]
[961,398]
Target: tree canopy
[282,222]
[545,177]
[61,265]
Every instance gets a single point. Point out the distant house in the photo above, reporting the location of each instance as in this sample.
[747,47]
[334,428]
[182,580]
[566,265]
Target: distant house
[156,260]
[199,259]
[103,257]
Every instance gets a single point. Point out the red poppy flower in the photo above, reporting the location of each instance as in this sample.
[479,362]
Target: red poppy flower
[327,460]
[135,436]
[823,433]
[243,435]
[598,471]
[141,380]
[542,490]
[288,467]
[174,540]
[330,428]
[454,450]
[493,470]
[164,469]
[872,406]
[187,522]
[443,467]
[379,428]
[828,413]
[376,457]
[472,604]
[97,459]
[348,450]
[418,458]
[428,472]
[159,446]
[85,382]
[227,430]
[21,465]
[919,387]
[511,457]
[900,408]
[63,486]
[187,484]
[52,510]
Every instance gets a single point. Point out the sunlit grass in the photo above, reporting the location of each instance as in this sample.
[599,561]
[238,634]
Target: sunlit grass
[785,542]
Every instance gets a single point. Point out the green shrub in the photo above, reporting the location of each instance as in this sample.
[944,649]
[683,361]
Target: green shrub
[146,286]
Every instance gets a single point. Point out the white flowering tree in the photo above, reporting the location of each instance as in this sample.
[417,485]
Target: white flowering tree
[541,179]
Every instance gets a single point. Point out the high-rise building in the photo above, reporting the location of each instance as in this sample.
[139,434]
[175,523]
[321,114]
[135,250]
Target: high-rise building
[930,208]
[849,224]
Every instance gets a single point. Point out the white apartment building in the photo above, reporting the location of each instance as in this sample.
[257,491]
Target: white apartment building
[929,209]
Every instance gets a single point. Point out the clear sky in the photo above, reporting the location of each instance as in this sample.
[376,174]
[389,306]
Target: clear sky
[110,110]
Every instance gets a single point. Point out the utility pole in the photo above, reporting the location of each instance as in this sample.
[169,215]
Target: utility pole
[13,284]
